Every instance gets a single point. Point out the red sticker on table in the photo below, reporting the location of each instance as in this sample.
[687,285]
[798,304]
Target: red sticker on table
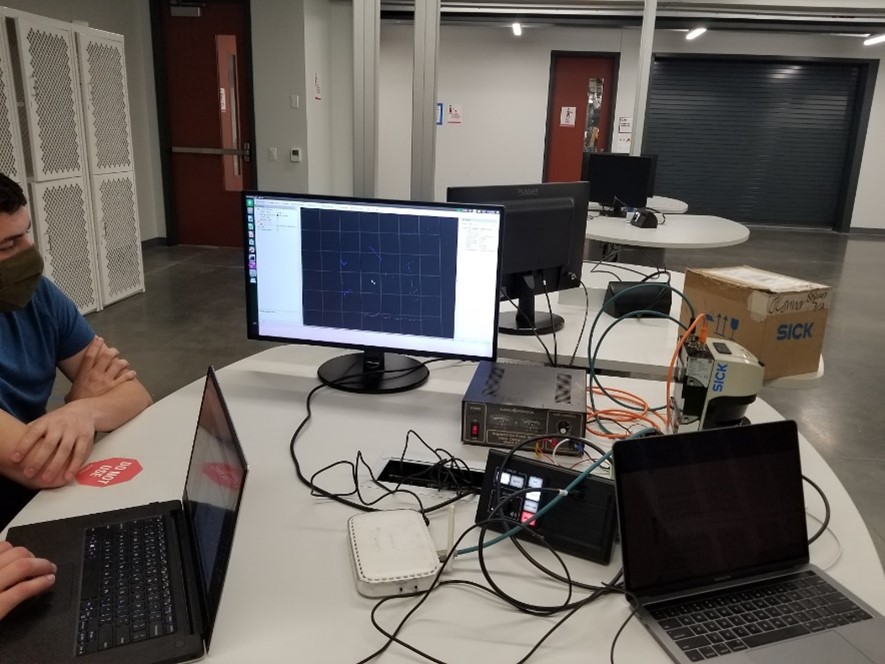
[108,471]
[224,475]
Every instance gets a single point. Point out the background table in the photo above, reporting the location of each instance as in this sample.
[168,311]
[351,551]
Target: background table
[659,203]
[681,231]
[638,346]
[290,590]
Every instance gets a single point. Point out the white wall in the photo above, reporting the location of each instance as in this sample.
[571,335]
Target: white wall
[132,20]
[297,44]
[328,55]
[502,83]
[278,66]
[341,94]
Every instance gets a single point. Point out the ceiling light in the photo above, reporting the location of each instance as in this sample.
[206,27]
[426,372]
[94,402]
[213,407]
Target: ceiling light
[517,29]
[694,34]
[878,39]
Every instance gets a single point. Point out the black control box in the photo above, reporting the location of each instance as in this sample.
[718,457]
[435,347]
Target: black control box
[582,524]
[507,403]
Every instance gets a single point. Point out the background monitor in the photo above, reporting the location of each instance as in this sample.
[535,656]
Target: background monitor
[543,251]
[652,174]
[617,181]
[385,277]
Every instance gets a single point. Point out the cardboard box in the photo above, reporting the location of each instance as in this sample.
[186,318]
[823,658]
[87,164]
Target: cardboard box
[781,320]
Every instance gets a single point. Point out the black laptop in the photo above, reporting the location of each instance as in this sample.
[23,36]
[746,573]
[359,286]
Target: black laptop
[138,585]
[715,551]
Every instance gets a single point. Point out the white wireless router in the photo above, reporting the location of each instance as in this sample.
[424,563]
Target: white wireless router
[392,553]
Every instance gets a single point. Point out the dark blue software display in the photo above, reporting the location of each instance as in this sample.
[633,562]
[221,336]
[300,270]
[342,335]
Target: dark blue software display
[380,272]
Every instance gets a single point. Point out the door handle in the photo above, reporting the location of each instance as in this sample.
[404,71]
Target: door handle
[245,153]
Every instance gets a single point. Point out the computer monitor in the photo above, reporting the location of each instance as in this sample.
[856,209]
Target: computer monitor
[544,231]
[382,277]
[652,174]
[617,181]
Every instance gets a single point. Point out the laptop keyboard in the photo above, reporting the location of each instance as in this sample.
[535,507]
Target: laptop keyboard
[715,624]
[125,596]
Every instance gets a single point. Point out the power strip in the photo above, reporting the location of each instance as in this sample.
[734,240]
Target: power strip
[392,553]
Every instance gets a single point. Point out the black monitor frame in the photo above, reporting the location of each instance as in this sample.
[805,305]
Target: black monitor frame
[526,270]
[376,368]
[617,181]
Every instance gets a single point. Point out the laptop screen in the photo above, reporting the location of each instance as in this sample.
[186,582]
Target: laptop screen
[212,492]
[707,506]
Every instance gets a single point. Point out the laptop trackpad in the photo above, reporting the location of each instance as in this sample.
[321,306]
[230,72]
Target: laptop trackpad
[826,647]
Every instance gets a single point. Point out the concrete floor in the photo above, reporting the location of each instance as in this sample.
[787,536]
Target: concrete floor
[193,314]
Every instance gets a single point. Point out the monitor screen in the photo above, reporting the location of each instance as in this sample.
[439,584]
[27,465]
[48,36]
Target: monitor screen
[404,277]
[543,247]
[617,181]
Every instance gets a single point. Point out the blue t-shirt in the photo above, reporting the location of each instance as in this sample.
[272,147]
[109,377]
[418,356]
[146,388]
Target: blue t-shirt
[32,342]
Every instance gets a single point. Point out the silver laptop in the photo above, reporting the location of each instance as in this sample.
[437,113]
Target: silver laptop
[715,551]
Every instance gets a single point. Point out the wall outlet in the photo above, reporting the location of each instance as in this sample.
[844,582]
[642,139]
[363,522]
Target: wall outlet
[271,154]
[295,155]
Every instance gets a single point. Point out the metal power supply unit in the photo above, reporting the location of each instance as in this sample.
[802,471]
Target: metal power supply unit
[508,403]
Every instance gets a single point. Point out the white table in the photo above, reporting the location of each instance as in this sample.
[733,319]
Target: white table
[290,590]
[638,346]
[681,231]
[659,203]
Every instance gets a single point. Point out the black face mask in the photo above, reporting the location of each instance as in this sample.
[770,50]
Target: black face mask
[19,276]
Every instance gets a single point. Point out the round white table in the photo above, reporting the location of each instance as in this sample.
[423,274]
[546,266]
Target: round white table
[679,231]
[659,203]
[290,587]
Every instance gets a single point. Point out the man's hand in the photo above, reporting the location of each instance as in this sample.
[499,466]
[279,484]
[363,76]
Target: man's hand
[101,370]
[57,444]
[21,576]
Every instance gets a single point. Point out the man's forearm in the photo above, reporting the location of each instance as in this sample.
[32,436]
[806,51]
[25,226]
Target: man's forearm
[117,406]
[11,431]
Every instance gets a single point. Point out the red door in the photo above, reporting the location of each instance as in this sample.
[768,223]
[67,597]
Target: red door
[579,114]
[206,65]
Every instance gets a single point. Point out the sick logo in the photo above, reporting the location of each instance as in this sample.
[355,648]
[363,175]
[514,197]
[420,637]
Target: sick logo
[719,377]
[794,331]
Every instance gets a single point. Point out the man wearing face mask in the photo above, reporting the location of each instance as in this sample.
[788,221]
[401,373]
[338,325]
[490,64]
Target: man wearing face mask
[41,330]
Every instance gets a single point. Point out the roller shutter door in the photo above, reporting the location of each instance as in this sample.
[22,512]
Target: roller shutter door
[751,140]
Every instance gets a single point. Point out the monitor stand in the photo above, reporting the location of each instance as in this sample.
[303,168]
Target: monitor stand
[373,372]
[616,210]
[525,320]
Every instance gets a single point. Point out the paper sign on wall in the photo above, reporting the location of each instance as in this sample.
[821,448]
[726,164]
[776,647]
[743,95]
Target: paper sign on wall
[317,88]
[625,125]
[439,113]
[453,115]
[623,142]
[567,116]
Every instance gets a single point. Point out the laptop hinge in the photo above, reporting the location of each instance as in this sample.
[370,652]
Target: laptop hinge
[195,604]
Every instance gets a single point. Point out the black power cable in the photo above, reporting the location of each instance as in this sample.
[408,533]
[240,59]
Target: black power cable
[342,498]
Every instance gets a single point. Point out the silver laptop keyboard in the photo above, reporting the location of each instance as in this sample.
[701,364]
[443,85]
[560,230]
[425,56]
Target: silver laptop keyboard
[716,624]
[125,595]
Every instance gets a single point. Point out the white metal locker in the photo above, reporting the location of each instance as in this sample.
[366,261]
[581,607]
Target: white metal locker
[64,233]
[105,103]
[11,158]
[48,68]
[118,239]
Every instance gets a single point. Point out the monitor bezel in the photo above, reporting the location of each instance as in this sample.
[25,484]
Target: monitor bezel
[251,300]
